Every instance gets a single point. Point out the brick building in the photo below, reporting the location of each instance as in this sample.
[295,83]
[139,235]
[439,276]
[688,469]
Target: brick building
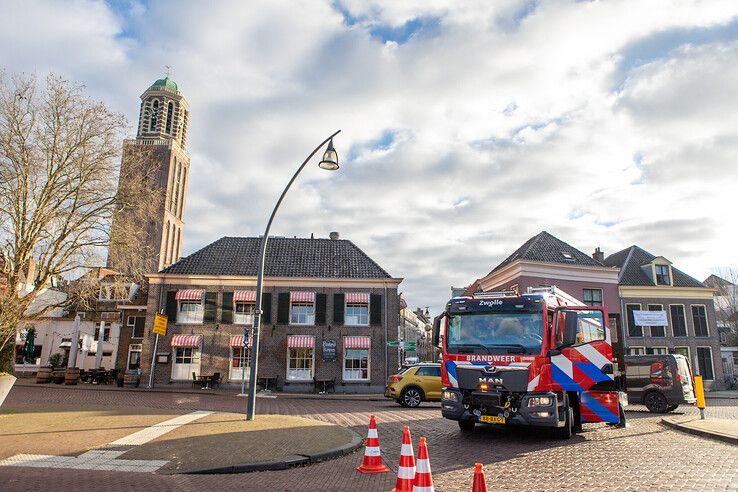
[650,283]
[328,312]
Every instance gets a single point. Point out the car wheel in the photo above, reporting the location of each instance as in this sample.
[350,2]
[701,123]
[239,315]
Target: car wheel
[411,397]
[671,408]
[656,402]
[399,400]
[466,425]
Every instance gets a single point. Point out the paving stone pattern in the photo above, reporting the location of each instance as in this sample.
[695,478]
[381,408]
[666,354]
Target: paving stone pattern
[644,456]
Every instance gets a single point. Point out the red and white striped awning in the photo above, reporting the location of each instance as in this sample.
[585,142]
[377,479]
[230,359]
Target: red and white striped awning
[302,296]
[186,340]
[189,295]
[357,342]
[244,296]
[301,341]
[357,298]
[237,341]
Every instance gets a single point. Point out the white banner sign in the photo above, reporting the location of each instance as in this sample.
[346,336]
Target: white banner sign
[650,318]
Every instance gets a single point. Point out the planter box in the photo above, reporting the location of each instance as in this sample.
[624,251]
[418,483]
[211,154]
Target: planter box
[6,382]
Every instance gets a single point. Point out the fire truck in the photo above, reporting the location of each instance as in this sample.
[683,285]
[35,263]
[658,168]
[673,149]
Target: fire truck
[541,359]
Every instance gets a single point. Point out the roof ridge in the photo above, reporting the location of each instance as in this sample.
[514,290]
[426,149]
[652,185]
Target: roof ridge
[624,266]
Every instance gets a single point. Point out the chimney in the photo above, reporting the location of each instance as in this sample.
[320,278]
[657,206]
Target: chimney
[598,255]
[334,235]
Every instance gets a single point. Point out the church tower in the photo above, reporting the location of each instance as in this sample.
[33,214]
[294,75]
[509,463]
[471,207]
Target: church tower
[161,138]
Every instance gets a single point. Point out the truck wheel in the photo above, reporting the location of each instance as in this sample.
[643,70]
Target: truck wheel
[568,430]
[466,425]
[411,397]
[655,402]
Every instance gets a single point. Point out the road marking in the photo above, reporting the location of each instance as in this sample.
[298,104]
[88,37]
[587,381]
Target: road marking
[150,433]
[91,460]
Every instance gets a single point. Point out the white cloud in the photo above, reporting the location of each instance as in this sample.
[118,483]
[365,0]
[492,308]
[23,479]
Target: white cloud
[472,126]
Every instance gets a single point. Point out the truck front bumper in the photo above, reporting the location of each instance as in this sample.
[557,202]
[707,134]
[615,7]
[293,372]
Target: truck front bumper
[552,415]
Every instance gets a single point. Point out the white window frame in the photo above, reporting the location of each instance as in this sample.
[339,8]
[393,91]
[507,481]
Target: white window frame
[655,274]
[245,318]
[355,304]
[368,366]
[134,347]
[671,321]
[650,328]
[309,317]
[707,321]
[193,317]
[129,319]
[191,357]
[661,350]
[312,364]
[627,321]
[233,370]
[641,350]
[712,361]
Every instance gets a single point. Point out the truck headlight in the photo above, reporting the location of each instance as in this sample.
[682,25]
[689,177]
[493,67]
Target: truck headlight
[450,396]
[539,401]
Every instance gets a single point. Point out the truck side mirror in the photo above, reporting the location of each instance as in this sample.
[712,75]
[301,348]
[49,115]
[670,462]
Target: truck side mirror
[570,328]
[437,331]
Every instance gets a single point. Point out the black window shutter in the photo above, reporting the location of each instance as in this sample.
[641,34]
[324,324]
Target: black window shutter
[320,305]
[171,308]
[375,309]
[226,314]
[338,307]
[266,307]
[283,308]
[211,303]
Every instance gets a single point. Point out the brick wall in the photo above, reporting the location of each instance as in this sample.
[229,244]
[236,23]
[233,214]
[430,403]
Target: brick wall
[215,355]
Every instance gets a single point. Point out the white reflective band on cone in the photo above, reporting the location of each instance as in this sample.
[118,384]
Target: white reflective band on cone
[405,472]
[407,450]
[371,451]
[372,433]
[422,466]
[423,489]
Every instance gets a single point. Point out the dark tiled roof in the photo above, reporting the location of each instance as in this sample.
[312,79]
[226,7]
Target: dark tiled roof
[630,261]
[286,257]
[547,248]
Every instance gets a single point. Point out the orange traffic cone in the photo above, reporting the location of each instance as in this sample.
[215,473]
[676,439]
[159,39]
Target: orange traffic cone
[423,478]
[372,455]
[479,485]
[406,470]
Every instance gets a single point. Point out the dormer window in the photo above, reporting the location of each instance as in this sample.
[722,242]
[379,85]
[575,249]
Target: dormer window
[662,275]
[567,256]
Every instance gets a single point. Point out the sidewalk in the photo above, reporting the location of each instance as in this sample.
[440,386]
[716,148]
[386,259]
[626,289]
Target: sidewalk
[727,394]
[721,429]
[162,441]
[225,391]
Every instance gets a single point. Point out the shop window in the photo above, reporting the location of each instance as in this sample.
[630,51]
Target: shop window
[184,355]
[356,364]
[240,363]
[244,313]
[190,312]
[300,364]
[636,351]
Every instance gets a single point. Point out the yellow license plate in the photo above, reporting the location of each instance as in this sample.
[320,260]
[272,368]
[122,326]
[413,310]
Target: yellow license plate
[491,419]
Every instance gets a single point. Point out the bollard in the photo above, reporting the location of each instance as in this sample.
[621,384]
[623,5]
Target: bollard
[700,393]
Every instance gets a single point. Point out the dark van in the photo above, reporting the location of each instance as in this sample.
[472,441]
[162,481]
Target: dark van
[661,382]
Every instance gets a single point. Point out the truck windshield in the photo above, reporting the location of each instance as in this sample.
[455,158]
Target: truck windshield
[499,332]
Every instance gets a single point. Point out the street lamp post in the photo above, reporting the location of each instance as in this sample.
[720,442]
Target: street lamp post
[329,163]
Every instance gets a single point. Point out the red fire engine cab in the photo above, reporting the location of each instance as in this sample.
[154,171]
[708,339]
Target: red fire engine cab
[541,359]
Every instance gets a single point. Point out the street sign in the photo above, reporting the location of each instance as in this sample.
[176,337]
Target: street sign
[160,324]
[394,344]
[405,345]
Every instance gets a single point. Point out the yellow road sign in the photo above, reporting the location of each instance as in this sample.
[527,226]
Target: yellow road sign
[160,324]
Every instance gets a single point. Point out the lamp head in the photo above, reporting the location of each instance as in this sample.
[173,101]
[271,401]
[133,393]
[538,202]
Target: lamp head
[330,158]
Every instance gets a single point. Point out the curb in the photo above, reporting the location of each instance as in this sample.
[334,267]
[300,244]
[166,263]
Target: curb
[284,463]
[699,432]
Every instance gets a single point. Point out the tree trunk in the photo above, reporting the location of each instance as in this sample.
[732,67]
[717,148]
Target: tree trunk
[7,362]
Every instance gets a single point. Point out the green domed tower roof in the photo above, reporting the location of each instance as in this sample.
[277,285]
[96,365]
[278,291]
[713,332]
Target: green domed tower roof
[165,83]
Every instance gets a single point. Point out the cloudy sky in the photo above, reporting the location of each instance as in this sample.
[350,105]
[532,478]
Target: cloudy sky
[467,127]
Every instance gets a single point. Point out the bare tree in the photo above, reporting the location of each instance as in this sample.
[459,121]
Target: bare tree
[725,283]
[59,195]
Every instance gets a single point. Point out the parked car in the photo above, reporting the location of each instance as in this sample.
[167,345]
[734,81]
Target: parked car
[415,384]
[661,382]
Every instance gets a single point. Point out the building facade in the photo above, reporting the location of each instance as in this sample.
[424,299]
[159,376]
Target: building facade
[685,305]
[328,311]
[161,141]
